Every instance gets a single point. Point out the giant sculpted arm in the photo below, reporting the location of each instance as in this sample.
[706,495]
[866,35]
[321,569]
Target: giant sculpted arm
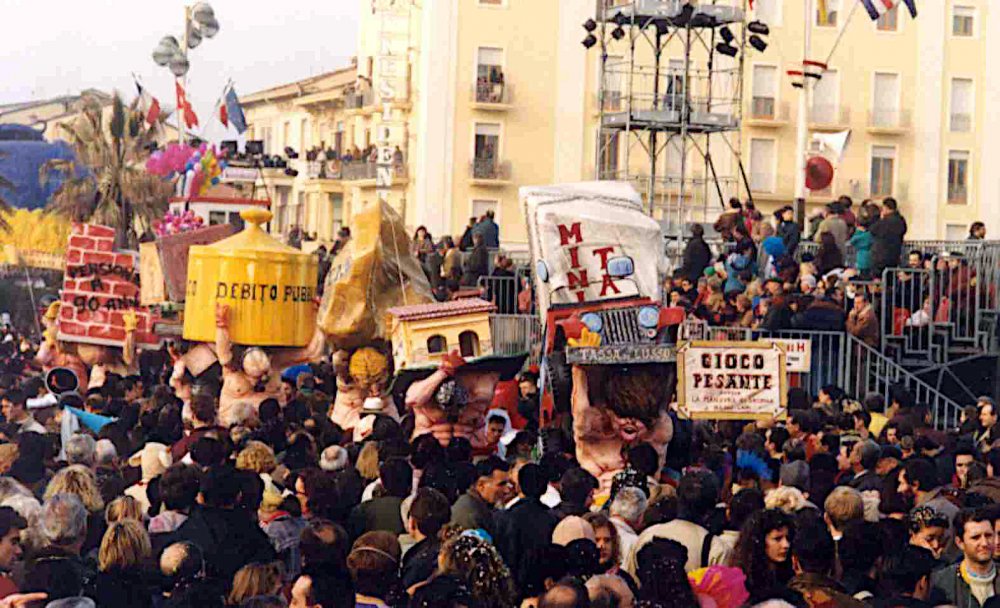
[223,344]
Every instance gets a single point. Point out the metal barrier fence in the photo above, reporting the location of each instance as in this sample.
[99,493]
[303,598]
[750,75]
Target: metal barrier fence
[514,334]
[505,292]
[842,360]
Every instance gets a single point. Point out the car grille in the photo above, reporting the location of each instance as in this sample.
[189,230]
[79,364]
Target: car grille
[621,326]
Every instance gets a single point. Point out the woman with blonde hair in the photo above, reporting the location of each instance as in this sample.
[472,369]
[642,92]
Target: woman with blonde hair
[257,457]
[81,482]
[256,579]
[476,563]
[123,561]
[122,508]
[374,566]
[367,464]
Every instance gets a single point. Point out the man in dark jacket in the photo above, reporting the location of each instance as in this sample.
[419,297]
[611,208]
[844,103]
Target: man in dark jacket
[526,527]
[823,315]
[813,557]
[697,255]
[888,233]
[490,231]
[428,513]
[908,571]
[477,264]
[229,537]
[576,488]
[788,229]
[969,583]
[465,243]
[474,509]
[383,513]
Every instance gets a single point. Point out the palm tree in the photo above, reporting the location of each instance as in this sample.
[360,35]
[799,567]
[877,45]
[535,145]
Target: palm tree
[5,207]
[106,183]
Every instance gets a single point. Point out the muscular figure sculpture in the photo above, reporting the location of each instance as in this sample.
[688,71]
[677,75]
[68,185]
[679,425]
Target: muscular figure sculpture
[626,408]
[90,362]
[452,402]
[191,364]
[253,381]
[360,376]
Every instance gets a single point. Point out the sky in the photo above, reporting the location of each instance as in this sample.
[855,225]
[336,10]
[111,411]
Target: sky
[57,47]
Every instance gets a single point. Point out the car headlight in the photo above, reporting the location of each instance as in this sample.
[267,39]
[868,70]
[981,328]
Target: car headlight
[593,321]
[649,317]
[542,270]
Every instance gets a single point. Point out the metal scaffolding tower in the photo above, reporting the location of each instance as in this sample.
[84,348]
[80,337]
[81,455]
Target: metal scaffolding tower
[670,99]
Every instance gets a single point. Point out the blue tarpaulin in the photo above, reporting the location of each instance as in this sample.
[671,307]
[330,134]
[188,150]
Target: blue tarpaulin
[23,151]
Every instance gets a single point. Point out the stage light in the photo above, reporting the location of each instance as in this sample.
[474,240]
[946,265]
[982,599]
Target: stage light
[590,25]
[589,41]
[725,49]
[727,35]
[758,27]
[758,43]
[618,33]
[620,19]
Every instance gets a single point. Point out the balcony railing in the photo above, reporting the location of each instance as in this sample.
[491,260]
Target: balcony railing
[888,118]
[490,169]
[763,108]
[961,122]
[613,101]
[358,100]
[829,114]
[494,93]
[362,170]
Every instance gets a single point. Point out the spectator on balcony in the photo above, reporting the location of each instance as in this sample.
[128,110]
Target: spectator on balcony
[845,204]
[887,233]
[862,323]
[465,243]
[861,242]
[823,314]
[977,231]
[834,224]
[433,260]
[422,244]
[728,219]
[830,256]
[451,265]
[477,264]
[295,236]
[490,230]
[343,235]
[751,217]
[502,286]
[697,255]
[397,157]
[788,229]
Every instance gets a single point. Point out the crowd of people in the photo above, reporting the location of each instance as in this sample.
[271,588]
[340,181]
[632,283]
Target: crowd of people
[843,504]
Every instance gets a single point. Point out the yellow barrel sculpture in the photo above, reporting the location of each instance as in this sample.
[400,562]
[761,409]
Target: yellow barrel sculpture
[268,286]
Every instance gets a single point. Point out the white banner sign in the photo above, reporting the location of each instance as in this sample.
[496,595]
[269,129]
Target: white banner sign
[731,380]
[798,354]
[239,174]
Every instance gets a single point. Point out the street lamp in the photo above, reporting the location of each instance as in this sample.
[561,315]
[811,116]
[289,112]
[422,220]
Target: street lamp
[199,23]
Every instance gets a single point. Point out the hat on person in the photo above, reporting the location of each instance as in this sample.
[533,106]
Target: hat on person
[333,458]
[572,528]
[372,405]
[154,459]
[795,475]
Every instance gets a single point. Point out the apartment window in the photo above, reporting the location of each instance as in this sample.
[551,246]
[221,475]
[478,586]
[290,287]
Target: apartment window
[825,99]
[286,134]
[958,177]
[609,155]
[963,21]
[614,68]
[883,170]
[886,102]
[487,151]
[762,159]
[338,139]
[676,86]
[962,94]
[768,11]
[300,209]
[489,75]
[336,210]
[832,12]
[889,21]
[765,85]
[481,206]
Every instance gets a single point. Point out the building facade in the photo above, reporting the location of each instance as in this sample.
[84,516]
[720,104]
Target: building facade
[475,98]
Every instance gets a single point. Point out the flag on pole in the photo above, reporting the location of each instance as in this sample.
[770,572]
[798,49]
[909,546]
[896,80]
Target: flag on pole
[824,16]
[877,8]
[183,105]
[149,105]
[223,114]
[234,111]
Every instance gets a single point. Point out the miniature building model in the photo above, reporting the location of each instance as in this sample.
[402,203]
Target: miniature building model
[423,333]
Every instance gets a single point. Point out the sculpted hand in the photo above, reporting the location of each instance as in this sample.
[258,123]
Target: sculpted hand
[587,339]
[451,362]
[53,310]
[222,316]
[130,321]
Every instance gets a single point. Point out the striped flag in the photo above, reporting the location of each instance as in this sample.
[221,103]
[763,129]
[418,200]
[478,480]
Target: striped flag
[877,8]
[149,104]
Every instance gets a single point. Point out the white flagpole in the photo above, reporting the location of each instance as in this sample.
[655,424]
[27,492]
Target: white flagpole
[802,133]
